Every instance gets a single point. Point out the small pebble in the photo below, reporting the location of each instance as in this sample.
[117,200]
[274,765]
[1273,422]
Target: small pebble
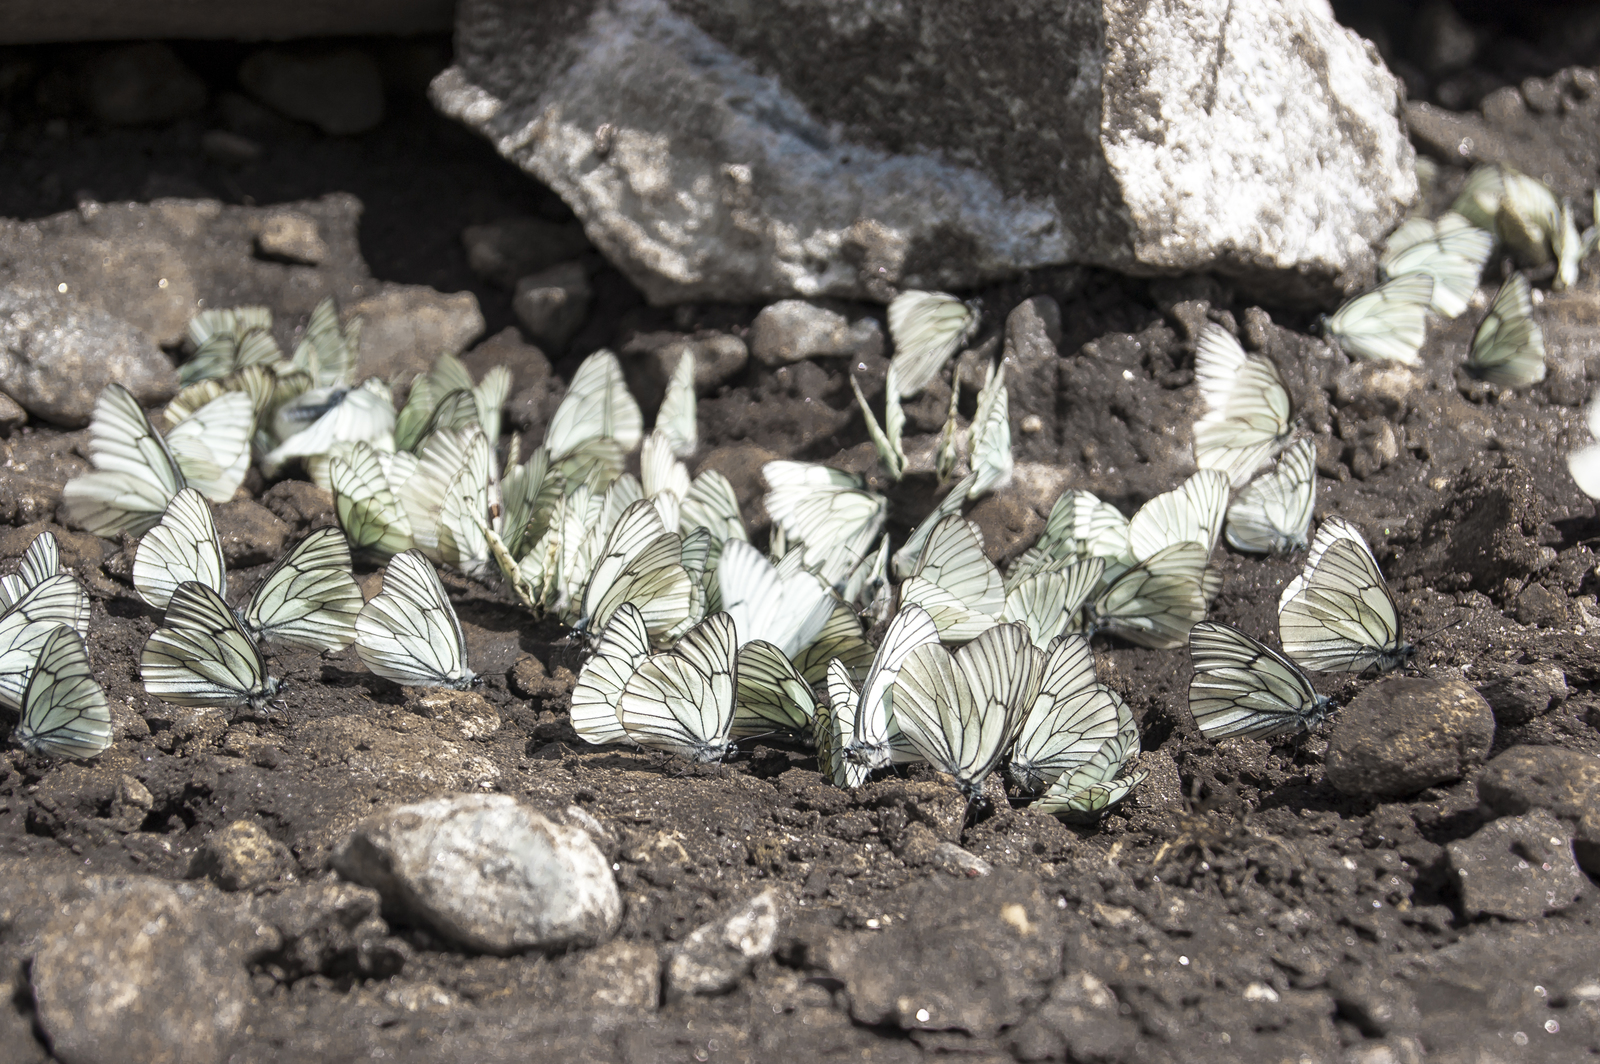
[1402,734]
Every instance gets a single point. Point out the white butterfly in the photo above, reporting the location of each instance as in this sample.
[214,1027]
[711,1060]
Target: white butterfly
[959,711]
[887,438]
[226,341]
[1048,602]
[840,638]
[598,405]
[40,561]
[327,350]
[1088,792]
[1079,527]
[683,701]
[1529,217]
[409,633]
[712,504]
[365,503]
[830,512]
[641,563]
[1387,324]
[905,559]
[1272,514]
[783,605]
[1570,248]
[64,712]
[1451,250]
[327,421]
[1072,717]
[955,582]
[623,646]
[137,472]
[29,621]
[664,478]
[309,598]
[1247,407]
[1243,689]
[856,734]
[990,435]
[1339,615]
[1584,463]
[1479,199]
[1157,601]
[1192,512]
[678,417]
[200,656]
[772,695]
[1508,346]
[927,328]
[183,547]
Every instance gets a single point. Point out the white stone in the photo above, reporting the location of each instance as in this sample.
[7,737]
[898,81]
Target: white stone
[486,872]
[717,955]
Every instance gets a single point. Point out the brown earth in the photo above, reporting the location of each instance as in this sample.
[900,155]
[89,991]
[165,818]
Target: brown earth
[1239,908]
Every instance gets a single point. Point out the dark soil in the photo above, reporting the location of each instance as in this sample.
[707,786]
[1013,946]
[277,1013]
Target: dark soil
[1238,909]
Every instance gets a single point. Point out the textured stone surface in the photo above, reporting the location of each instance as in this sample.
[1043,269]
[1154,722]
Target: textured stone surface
[1401,735]
[251,533]
[942,144]
[1565,783]
[487,873]
[717,955]
[1517,867]
[508,249]
[140,973]
[57,356]
[792,329]
[35,21]
[339,92]
[553,304]
[241,856]
[1519,695]
[291,236]
[618,975]
[406,326]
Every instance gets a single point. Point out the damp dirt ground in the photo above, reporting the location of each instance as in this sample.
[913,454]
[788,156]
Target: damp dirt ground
[1237,909]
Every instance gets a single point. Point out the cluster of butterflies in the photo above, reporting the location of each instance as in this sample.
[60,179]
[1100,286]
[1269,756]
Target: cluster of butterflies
[698,638]
[1435,265]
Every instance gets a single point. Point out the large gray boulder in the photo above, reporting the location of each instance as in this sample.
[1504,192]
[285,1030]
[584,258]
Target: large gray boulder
[943,143]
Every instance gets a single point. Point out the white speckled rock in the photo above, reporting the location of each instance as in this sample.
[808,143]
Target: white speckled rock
[940,143]
[486,872]
[717,955]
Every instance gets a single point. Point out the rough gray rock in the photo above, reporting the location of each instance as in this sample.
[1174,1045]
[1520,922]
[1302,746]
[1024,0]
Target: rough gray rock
[553,304]
[339,92]
[292,236]
[937,145]
[241,856]
[508,249]
[327,927]
[487,873]
[140,971]
[12,416]
[1517,867]
[617,975]
[56,356]
[1033,334]
[1565,783]
[467,711]
[979,954]
[142,84]
[406,326]
[1078,1021]
[717,955]
[793,329]
[1401,735]
[1520,694]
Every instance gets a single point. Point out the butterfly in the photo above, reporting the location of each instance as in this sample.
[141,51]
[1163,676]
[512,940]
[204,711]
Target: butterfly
[1450,250]
[137,472]
[327,350]
[1508,346]
[927,328]
[1048,602]
[677,417]
[1247,407]
[328,421]
[959,711]
[40,561]
[783,605]
[1528,218]
[364,484]
[855,730]
[30,619]
[955,582]
[1569,247]
[841,638]
[623,646]
[641,563]
[831,513]
[1088,792]
[1190,513]
[183,547]
[309,598]
[990,435]
[597,406]
[408,632]
[64,711]
[226,341]
[1243,689]
[1069,721]
[905,559]
[1079,527]
[1387,324]
[1272,514]
[886,439]
[682,701]
[1339,615]
[1479,199]
[772,695]
[200,656]
[1584,463]
[1158,600]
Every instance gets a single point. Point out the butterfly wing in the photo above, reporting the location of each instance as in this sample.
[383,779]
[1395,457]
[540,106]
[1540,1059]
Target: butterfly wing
[597,406]
[29,621]
[212,445]
[135,472]
[64,711]
[1387,324]
[1247,407]
[365,504]
[772,695]
[1069,721]
[1450,250]
[200,656]
[1191,513]
[1343,617]
[409,633]
[1243,689]
[683,701]
[183,547]
[927,328]
[309,598]
[1156,602]
[1273,512]
[623,646]
[1508,346]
